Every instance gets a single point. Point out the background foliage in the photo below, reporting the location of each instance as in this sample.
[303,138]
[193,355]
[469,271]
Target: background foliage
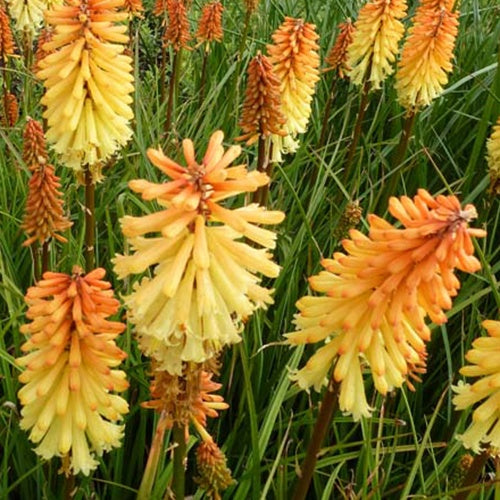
[408,447]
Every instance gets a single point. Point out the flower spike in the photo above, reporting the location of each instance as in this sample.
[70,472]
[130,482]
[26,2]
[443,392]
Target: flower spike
[88,81]
[337,58]
[205,282]
[295,59]
[378,294]
[70,364]
[373,50]
[493,157]
[427,54]
[484,363]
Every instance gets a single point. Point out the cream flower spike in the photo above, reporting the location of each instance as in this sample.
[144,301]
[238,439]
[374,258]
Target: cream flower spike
[88,81]
[205,281]
[28,14]
[484,364]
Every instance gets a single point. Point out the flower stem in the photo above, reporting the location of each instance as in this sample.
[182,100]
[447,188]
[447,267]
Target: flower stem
[328,407]
[363,106]
[203,77]
[153,459]
[179,480]
[89,220]
[45,257]
[171,91]
[260,196]
[326,115]
[244,36]
[36,260]
[400,153]
[472,475]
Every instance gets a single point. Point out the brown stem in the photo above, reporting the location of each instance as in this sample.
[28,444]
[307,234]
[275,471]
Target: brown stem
[203,77]
[326,115]
[397,159]
[328,407]
[363,106]
[262,165]
[179,477]
[45,257]
[89,220]
[171,92]
[472,475]
[36,261]
[153,459]
[163,71]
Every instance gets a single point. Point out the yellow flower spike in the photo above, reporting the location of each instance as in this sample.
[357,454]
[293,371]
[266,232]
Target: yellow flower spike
[427,54]
[379,293]
[205,281]
[88,81]
[373,50]
[483,359]
[493,158]
[70,359]
[295,59]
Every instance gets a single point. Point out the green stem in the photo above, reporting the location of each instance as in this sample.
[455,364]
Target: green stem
[244,36]
[328,407]
[472,475]
[179,478]
[89,220]
[153,459]
[203,77]
[171,91]
[363,106]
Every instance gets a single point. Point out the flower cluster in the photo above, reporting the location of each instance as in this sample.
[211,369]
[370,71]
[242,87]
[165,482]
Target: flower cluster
[44,217]
[88,81]
[295,59]
[177,30]
[70,371]
[485,427]
[10,110]
[493,158]
[204,283]
[262,115]
[28,14]
[6,39]
[373,50]
[337,57]
[210,25]
[427,54]
[379,293]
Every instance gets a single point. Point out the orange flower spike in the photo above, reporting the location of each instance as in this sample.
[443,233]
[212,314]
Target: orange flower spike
[70,368]
[295,59]
[210,25]
[45,37]
[44,217]
[7,45]
[160,8]
[379,293]
[177,30]
[34,148]
[10,110]
[134,8]
[337,58]
[378,31]
[427,54]
[262,115]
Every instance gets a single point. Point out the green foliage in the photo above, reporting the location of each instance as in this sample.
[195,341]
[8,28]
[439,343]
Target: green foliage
[409,446]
